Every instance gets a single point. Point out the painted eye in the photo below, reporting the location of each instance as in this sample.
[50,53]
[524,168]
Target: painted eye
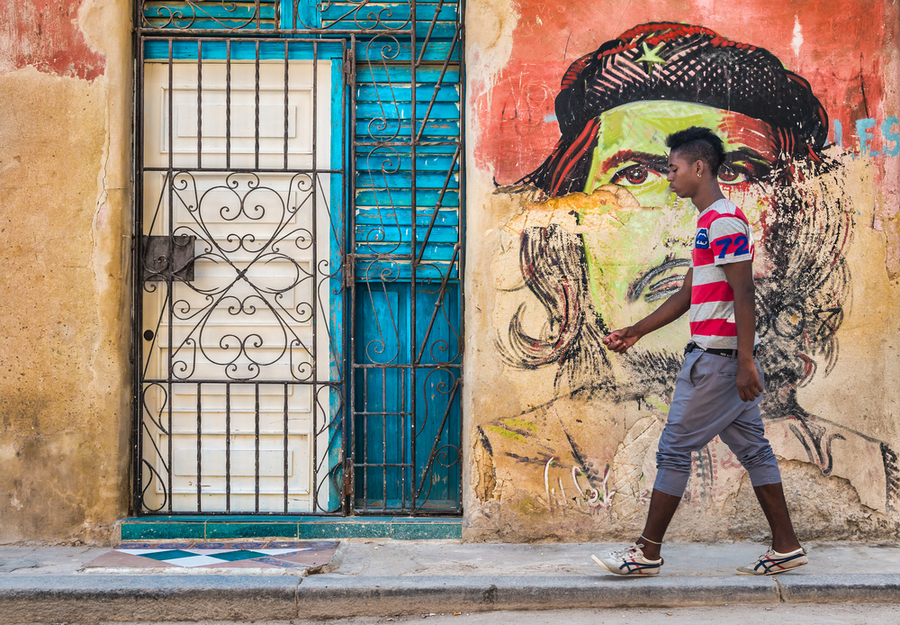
[631,175]
[729,175]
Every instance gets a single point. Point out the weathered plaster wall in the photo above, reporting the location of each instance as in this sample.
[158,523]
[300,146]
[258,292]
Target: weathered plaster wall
[65,136]
[561,436]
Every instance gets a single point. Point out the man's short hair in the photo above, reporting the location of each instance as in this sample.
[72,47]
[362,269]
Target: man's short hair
[698,144]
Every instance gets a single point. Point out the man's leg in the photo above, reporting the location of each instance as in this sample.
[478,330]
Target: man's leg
[662,509]
[673,470]
[694,419]
[705,404]
[746,439]
[786,553]
[771,498]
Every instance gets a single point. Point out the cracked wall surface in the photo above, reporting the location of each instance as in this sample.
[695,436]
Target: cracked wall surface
[553,449]
[562,434]
[65,136]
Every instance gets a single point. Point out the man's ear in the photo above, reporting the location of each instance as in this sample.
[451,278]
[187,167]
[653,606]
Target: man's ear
[699,167]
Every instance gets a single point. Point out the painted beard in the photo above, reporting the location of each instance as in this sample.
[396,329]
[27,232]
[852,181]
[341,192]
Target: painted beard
[651,374]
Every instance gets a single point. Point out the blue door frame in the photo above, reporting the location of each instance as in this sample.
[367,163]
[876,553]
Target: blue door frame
[397,79]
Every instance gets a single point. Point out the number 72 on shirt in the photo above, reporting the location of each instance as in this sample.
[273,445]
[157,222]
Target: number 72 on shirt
[739,243]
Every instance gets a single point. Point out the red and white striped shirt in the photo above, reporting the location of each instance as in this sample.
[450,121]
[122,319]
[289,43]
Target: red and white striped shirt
[723,236]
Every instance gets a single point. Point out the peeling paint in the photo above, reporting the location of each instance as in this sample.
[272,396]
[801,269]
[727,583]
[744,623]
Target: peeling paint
[47,36]
[64,178]
[797,40]
[486,487]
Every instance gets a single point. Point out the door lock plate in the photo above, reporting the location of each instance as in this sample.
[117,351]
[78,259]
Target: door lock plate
[168,258]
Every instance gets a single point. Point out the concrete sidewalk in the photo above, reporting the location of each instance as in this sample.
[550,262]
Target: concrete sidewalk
[382,578]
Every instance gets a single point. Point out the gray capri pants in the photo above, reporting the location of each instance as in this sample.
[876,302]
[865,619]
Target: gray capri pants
[705,404]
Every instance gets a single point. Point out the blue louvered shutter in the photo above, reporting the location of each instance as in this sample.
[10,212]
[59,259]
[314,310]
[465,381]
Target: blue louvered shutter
[408,255]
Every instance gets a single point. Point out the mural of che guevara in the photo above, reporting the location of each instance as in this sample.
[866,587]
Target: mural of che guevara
[630,247]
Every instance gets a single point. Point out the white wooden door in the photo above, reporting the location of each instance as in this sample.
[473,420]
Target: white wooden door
[238,357]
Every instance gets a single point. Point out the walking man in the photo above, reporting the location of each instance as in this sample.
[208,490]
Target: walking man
[719,389]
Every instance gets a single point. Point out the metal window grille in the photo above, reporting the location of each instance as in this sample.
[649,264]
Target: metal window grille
[298,258]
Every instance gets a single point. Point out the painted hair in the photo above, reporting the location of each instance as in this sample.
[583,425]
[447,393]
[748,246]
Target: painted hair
[697,65]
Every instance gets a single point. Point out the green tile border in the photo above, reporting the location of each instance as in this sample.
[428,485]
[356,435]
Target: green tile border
[249,526]
[345,530]
[425,531]
[166,531]
[224,529]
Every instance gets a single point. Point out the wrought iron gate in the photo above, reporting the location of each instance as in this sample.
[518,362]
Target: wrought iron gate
[298,300]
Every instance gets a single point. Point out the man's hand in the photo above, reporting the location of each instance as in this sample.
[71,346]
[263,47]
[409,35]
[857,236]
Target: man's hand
[620,340]
[747,380]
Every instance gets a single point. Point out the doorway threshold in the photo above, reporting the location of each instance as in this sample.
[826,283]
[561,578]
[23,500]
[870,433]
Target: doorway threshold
[226,527]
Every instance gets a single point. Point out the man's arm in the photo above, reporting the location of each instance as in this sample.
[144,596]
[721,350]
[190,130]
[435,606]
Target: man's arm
[740,278]
[620,340]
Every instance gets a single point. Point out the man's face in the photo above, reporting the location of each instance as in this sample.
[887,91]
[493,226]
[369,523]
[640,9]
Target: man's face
[637,256]
[683,176]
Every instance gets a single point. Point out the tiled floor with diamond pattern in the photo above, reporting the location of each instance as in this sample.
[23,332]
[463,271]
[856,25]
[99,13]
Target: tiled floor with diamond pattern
[231,555]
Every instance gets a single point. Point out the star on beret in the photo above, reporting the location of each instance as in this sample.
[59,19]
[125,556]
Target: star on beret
[651,57]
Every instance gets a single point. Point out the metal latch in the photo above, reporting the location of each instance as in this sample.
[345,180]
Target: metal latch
[168,257]
[349,270]
[347,486]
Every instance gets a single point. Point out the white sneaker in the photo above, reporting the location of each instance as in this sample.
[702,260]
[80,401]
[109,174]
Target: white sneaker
[629,561]
[773,563]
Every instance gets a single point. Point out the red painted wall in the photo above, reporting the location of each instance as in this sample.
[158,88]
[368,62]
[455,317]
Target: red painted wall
[843,46]
[44,34]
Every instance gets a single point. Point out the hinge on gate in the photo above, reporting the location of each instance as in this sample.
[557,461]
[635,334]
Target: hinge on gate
[349,65]
[347,486]
[349,270]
